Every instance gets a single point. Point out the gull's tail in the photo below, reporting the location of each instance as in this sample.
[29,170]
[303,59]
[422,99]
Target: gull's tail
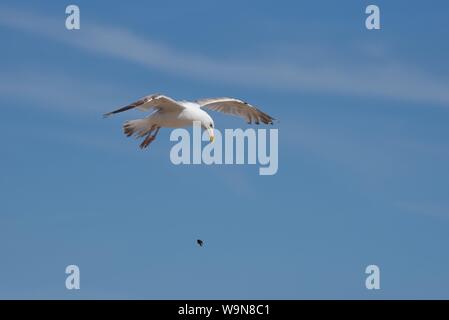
[139,127]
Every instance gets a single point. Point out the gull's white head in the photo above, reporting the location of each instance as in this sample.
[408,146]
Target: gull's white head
[208,123]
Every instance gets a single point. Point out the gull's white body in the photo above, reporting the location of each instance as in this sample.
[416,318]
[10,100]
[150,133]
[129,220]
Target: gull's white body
[179,118]
[170,113]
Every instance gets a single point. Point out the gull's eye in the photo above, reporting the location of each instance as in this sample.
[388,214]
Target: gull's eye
[211,125]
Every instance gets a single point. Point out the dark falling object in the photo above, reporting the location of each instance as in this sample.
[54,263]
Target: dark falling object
[200,242]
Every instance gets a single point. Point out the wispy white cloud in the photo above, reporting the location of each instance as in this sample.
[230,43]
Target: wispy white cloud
[437,210]
[380,155]
[57,91]
[316,73]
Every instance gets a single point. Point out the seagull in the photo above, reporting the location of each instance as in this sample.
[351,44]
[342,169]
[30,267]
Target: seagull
[170,113]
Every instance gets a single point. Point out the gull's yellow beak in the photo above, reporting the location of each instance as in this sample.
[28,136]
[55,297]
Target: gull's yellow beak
[211,134]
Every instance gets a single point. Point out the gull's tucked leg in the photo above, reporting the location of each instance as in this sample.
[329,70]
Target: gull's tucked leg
[150,138]
[146,132]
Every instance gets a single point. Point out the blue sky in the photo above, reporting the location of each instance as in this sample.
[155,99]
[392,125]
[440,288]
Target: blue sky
[363,153]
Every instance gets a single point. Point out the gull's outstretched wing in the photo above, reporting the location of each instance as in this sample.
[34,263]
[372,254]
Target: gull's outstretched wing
[236,107]
[154,101]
